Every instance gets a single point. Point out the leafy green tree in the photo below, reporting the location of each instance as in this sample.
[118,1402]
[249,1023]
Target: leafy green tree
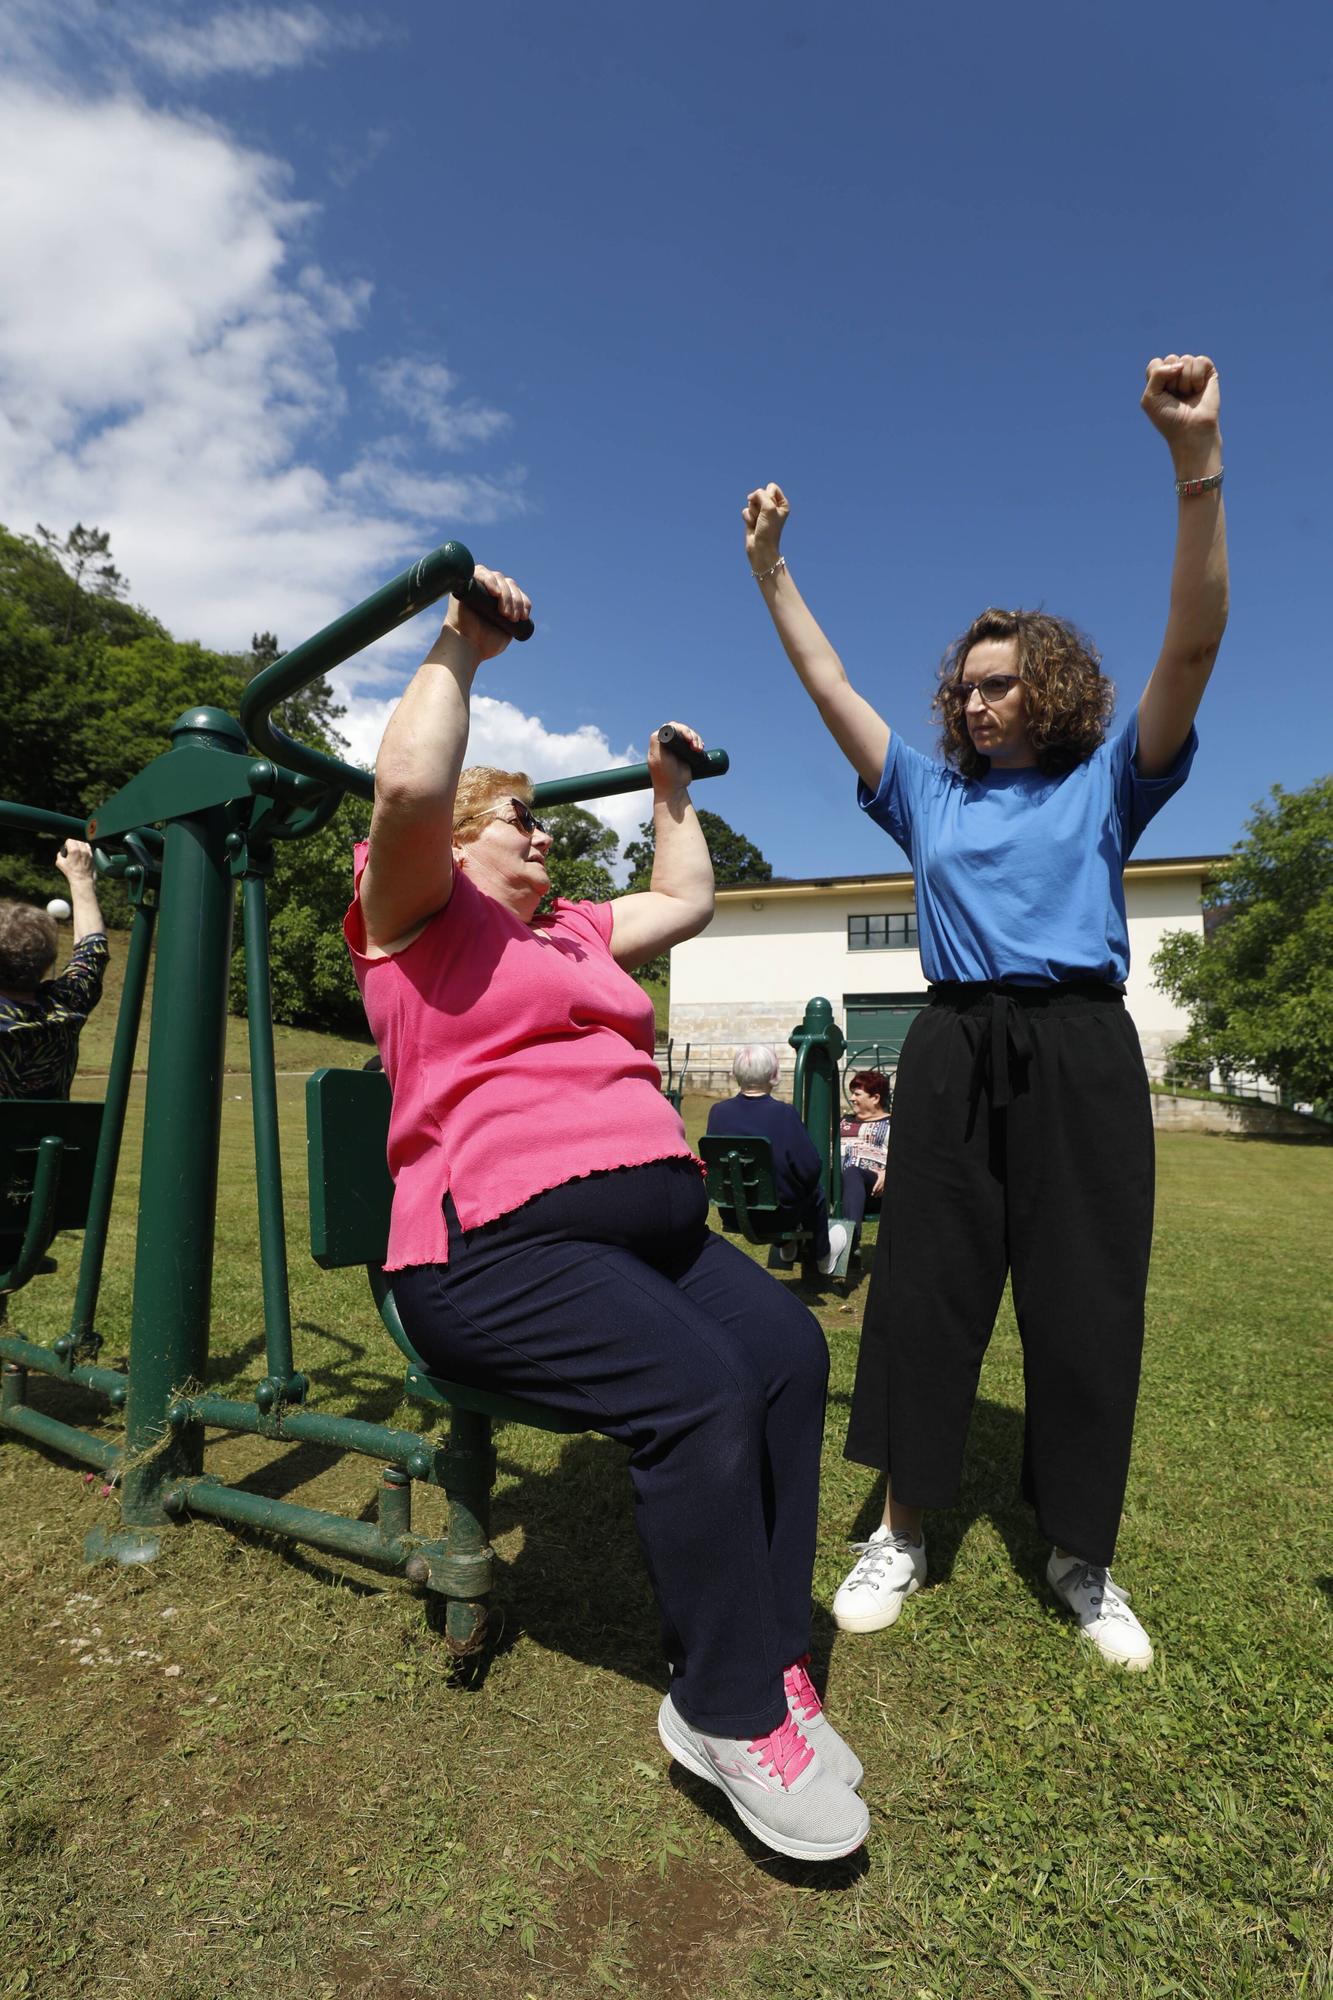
[308,893]
[311,716]
[582,854]
[735,859]
[85,556]
[1258,985]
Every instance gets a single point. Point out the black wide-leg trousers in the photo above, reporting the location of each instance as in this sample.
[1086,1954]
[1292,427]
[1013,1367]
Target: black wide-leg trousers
[1021,1144]
[611,1298]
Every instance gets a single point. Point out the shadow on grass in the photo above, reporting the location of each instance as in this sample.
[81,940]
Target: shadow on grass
[991,1490]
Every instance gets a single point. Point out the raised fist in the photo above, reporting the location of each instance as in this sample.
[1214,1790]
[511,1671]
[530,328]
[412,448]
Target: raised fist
[764,515]
[1182,398]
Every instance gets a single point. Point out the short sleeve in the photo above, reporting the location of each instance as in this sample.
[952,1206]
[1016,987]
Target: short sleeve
[599,918]
[905,785]
[1139,799]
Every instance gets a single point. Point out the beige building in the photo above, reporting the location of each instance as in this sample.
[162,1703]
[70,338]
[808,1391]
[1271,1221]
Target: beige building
[773,945]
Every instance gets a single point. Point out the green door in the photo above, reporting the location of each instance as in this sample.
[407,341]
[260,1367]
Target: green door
[877,1025]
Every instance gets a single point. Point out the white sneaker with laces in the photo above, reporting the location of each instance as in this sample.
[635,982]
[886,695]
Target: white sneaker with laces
[872,1595]
[1101,1610]
[837,1243]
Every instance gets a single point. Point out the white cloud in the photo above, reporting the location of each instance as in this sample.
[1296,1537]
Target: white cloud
[168,360]
[502,734]
[168,363]
[246,41]
[424,392]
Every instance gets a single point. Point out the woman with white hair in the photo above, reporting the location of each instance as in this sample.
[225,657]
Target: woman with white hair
[754,1113]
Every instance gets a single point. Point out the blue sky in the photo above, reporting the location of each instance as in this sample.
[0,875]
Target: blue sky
[309,290]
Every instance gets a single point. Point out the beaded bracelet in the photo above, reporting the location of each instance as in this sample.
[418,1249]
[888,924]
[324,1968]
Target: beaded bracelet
[1187,489]
[761,575]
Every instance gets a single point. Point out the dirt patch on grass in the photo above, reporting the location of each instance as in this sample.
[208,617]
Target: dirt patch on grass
[660,1936]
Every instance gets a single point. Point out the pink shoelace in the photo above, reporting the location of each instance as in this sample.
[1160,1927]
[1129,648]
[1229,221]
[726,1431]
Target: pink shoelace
[784,1751]
[800,1689]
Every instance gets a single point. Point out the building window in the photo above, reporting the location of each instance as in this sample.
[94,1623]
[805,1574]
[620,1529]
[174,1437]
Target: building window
[882,933]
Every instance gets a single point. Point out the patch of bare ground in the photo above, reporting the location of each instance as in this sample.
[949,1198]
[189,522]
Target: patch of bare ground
[659,1937]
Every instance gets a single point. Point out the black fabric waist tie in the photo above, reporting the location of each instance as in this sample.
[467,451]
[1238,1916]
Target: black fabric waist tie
[1005,1036]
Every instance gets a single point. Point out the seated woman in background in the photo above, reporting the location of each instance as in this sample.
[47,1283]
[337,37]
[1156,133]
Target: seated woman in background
[754,1113]
[42,1018]
[549,1235]
[864,1137]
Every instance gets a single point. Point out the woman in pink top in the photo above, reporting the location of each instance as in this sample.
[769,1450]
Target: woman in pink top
[564,1255]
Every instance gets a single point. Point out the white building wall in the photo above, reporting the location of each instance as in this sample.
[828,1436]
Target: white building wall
[748,977]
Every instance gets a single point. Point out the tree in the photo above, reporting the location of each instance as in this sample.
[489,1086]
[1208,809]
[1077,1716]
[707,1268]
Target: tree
[582,854]
[85,557]
[735,859]
[1259,984]
[309,717]
[308,893]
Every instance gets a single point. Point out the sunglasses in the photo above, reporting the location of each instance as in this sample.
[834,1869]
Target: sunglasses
[525,819]
[994,688]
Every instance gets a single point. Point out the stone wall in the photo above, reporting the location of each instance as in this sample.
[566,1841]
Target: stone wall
[1251,1121]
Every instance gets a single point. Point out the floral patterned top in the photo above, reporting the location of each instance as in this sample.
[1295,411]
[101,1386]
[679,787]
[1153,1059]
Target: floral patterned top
[39,1038]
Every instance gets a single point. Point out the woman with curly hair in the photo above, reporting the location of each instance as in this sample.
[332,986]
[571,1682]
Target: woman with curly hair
[1022,1133]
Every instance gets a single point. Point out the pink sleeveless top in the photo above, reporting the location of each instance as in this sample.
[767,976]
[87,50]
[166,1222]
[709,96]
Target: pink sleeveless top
[517,1062]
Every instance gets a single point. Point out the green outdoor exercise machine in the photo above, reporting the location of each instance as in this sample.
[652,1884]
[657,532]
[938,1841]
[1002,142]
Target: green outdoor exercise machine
[199,820]
[741,1179]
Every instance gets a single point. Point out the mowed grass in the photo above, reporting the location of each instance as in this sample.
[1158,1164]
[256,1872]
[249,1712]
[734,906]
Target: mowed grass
[248,1770]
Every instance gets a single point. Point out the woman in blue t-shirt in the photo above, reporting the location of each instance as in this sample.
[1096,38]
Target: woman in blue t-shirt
[1022,1133]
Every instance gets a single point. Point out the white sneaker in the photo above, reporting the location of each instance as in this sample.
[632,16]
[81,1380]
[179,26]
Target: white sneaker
[890,1569]
[837,1243]
[1102,1611]
[787,1252]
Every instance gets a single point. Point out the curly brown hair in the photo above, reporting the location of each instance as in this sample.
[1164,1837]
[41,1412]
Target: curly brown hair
[1069,699]
[29,942]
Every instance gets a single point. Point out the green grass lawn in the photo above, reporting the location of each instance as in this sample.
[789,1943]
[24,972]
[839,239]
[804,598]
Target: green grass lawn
[247,1770]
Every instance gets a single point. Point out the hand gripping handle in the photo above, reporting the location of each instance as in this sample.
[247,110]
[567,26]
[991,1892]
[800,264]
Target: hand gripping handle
[480,602]
[680,746]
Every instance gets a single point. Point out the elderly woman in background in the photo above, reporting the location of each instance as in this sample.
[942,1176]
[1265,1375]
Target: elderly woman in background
[549,1235]
[864,1140]
[754,1113]
[42,1018]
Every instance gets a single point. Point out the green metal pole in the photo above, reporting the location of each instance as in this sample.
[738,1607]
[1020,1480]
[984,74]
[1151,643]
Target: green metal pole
[113,1124]
[283,1383]
[173,1270]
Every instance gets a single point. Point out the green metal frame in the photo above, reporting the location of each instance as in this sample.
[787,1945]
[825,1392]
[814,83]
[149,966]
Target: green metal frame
[198,820]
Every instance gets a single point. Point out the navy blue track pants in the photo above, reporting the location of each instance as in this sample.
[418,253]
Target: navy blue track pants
[610,1298]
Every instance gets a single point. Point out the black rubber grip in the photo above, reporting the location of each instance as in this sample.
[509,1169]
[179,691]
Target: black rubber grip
[479,601]
[680,746]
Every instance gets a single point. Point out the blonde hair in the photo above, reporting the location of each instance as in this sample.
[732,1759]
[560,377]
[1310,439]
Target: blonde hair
[481,786]
[29,942]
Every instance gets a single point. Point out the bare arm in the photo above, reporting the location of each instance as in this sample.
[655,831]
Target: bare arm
[409,873]
[75,862]
[1182,400]
[859,732]
[678,903]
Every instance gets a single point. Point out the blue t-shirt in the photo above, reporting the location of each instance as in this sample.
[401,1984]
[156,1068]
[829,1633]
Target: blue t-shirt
[1019,875]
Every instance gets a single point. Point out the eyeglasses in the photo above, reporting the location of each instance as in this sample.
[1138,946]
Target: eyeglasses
[525,819]
[994,688]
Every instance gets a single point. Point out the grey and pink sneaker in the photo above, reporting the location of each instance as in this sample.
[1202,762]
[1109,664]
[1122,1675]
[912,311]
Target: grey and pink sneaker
[807,1712]
[781,1788]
